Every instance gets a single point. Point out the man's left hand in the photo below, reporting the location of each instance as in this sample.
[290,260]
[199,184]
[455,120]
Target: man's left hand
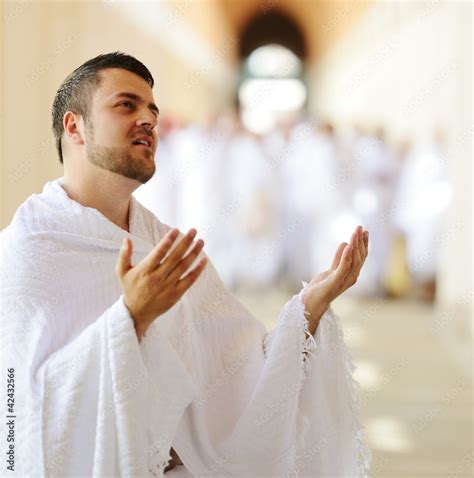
[344,271]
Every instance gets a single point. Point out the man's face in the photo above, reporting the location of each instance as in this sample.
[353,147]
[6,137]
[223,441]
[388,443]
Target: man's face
[117,121]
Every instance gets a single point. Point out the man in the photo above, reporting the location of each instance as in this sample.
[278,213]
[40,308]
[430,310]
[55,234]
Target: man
[374,184]
[251,185]
[123,340]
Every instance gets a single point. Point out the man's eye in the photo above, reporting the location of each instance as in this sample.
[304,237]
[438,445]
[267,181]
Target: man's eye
[127,103]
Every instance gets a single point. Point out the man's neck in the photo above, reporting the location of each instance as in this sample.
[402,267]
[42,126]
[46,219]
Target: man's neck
[107,192]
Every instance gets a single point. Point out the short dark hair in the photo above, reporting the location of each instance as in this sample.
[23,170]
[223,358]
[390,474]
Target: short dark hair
[76,92]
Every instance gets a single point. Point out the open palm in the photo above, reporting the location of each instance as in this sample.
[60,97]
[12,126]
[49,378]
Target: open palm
[344,271]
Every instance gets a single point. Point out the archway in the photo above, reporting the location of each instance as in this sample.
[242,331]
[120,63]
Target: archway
[271,85]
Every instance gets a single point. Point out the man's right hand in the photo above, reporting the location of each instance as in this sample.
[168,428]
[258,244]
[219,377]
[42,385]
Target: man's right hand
[156,283]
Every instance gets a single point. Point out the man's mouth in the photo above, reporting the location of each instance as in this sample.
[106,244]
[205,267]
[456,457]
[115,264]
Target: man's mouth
[143,145]
[143,142]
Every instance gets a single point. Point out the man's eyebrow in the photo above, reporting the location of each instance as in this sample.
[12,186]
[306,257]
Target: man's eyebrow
[135,97]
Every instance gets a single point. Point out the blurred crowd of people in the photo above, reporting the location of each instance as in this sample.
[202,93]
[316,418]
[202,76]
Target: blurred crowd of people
[273,208]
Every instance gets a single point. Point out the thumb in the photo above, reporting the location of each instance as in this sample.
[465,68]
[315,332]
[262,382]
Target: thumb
[124,261]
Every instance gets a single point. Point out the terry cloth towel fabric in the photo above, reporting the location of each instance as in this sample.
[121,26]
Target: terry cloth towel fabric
[207,378]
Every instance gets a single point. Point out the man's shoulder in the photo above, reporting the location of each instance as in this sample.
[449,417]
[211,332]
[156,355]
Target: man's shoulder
[34,211]
[23,218]
[36,215]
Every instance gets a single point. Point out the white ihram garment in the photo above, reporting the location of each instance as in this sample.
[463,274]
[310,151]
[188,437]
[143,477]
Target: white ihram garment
[252,250]
[207,379]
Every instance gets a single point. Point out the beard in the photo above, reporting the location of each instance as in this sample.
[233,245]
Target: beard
[119,159]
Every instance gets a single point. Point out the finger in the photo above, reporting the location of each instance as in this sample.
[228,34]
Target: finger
[188,280]
[366,242]
[344,266]
[186,262]
[360,239]
[177,253]
[153,259]
[338,255]
[124,261]
[357,259]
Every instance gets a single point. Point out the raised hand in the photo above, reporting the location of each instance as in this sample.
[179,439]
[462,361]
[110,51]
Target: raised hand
[156,283]
[344,271]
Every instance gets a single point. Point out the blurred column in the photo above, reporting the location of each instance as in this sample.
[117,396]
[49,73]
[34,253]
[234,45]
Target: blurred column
[454,297]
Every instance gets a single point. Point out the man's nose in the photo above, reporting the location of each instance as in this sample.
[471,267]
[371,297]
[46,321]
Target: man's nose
[147,117]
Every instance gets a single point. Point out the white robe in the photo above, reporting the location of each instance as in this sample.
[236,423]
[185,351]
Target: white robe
[376,177]
[422,196]
[327,201]
[312,201]
[296,162]
[207,379]
[196,182]
[251,188]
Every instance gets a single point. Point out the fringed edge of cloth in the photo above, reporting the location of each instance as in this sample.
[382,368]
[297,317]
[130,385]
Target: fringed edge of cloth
[309,344]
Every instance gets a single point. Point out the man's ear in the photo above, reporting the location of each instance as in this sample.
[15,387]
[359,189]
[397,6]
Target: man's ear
[73,125]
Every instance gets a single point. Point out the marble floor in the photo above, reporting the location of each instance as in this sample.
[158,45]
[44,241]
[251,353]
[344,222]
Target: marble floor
[415,384]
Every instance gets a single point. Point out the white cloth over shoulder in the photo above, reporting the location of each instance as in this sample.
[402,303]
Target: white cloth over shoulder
[207,379]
